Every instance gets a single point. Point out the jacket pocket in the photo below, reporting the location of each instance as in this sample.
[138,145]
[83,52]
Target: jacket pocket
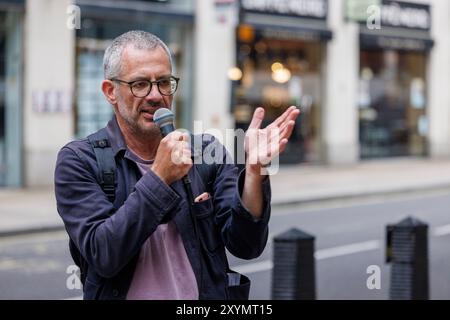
[207,228]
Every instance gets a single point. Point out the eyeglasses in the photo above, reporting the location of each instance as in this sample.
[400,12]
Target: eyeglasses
[141,88]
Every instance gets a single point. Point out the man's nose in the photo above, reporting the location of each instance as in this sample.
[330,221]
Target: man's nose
[154,94]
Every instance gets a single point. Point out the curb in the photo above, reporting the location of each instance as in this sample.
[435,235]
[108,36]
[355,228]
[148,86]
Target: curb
[361,195]
[31,230]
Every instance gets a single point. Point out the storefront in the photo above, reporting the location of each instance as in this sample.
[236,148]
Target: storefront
[172,21]
[393,80]
[11,35]
[280,53]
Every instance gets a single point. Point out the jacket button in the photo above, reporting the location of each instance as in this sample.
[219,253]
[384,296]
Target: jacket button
[115,292]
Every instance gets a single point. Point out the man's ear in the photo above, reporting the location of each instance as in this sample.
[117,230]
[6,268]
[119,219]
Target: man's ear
[108,90]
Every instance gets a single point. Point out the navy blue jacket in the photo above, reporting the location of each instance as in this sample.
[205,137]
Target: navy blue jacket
[109,235]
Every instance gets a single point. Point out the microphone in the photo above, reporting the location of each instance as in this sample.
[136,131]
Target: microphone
[163,117]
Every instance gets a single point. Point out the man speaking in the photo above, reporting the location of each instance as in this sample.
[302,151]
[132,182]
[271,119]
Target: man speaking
[136,229]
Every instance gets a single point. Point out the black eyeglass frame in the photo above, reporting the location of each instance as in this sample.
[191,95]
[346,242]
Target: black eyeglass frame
[130,84]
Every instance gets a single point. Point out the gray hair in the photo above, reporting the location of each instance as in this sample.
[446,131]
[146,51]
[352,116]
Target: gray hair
[139,39]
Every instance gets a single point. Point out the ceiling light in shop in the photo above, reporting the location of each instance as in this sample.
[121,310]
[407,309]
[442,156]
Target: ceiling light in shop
[246,33]
[235,74]
[281,75]
[277,66]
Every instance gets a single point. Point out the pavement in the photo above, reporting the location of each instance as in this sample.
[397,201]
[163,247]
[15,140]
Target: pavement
[34,209]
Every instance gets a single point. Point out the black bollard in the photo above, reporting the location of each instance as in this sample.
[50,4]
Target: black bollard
[407,251]
[293,273]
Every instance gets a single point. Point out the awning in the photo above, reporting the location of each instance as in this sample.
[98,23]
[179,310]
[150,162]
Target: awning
[395,40]
[133,10]
[12,4]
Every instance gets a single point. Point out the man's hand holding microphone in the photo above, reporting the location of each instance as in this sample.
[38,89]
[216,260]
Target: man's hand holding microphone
[173,158]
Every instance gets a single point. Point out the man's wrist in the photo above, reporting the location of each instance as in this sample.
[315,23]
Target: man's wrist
[159,175]
[255,171]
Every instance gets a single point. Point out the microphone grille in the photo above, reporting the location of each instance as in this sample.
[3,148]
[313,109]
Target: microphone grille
[163,116]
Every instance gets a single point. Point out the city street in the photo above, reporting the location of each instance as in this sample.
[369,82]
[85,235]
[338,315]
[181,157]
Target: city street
[350,236]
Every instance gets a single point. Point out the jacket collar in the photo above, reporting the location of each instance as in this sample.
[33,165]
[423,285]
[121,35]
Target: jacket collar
[116,138]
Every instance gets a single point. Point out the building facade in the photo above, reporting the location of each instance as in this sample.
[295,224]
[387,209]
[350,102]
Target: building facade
[370,77]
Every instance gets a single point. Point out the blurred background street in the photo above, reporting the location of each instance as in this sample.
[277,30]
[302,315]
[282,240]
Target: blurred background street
[346,209]
[350,237]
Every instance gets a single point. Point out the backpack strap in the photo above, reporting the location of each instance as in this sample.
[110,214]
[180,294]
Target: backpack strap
[106,178]
[106,163]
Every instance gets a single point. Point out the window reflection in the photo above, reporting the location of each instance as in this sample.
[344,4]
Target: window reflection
[392,103]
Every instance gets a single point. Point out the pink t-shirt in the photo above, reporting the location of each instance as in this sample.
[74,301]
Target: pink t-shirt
[163,271]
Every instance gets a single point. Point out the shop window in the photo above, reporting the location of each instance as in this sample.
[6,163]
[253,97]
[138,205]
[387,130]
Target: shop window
[2,100]
[278,73]
[93,111]
[11,38]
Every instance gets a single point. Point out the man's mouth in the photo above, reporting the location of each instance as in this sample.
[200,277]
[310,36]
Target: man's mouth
[148,113]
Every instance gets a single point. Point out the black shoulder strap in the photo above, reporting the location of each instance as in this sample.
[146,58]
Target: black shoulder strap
[107,180]
[106,163]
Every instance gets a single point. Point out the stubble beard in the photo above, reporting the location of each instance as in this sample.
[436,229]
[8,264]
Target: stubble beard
[133,122]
